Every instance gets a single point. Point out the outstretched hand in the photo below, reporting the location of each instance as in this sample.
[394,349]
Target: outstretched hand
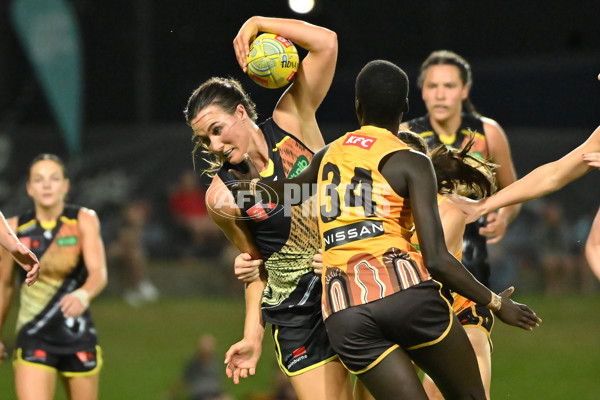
[241,359]
[494,229]
[28,261]
[471,208]
[516,314]
[592,159]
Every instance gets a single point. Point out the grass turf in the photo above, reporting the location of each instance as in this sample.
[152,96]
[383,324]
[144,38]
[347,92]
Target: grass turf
[145,348]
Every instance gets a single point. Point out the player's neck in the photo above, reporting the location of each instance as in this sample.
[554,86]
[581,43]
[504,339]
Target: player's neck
[447,127]
[47,214]
[259,150]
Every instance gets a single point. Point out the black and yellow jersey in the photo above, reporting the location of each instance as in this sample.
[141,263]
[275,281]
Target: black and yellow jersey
[57,245]
[475,256]
[286,237]
[365,226]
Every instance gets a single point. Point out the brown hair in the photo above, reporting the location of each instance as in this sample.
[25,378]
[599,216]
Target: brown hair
[226,93]
[447,57]
[48,156]
[459,172]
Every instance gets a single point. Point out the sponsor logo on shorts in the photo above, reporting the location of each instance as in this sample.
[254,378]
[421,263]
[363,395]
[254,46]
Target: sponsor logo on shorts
[299,352]
[362,141]
[297,356]
[88,359]
[39,354]
[296,360]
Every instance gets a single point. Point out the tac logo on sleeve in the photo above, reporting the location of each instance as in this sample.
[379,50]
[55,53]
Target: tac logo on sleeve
[364,142]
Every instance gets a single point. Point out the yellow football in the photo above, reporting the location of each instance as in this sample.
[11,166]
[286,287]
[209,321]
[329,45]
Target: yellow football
[273,61]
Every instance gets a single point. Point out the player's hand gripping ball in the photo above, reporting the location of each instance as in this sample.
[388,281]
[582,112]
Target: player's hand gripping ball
[273,61]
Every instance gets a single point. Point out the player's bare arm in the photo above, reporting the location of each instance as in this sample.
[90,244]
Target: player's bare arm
[411,175]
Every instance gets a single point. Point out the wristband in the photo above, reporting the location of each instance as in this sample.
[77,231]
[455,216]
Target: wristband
[496,303]
[83,296]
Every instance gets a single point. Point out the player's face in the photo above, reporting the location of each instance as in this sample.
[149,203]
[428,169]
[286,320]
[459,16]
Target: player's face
[224,134]
[443,92]
[47,184]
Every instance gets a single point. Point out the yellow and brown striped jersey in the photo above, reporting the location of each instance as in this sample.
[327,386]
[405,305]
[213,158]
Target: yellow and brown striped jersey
[57,244]
[365,226]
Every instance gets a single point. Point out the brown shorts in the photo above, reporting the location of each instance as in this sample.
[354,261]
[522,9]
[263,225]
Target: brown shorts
[415,317]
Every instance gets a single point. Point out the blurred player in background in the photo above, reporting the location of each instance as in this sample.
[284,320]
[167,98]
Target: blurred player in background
[55,331]
[445,81]
[224,122]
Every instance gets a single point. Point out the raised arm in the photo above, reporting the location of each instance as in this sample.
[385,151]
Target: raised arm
[499,149]
[547,178]
[295,111]
[411,175]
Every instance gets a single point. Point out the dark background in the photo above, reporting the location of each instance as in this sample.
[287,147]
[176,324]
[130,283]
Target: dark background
[535,65]
[534,62]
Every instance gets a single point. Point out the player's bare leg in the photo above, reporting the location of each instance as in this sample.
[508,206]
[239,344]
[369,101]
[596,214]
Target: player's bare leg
[328,381]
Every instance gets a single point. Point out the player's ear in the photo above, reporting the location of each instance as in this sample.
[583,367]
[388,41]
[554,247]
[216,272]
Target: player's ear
[405,108]
[359,112]
[240,111]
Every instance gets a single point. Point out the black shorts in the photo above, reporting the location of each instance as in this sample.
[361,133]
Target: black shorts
[477,316]
[302,348]
[80,363]
[415,317]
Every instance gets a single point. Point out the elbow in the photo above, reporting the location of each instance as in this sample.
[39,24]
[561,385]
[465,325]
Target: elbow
[435,267]
[329,42]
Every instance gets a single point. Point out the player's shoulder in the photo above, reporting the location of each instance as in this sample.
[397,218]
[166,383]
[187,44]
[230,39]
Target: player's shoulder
[87,217]
[491,126]
[405,160]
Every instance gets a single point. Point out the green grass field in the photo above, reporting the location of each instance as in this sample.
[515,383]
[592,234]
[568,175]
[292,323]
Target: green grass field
[145,348]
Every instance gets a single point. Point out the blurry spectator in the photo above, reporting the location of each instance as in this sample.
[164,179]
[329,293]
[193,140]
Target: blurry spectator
[201,378]
[188,208]
[128,254]
[553,246]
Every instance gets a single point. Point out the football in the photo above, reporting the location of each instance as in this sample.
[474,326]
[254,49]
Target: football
[273,61]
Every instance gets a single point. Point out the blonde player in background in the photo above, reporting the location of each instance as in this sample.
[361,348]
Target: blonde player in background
[55,330]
